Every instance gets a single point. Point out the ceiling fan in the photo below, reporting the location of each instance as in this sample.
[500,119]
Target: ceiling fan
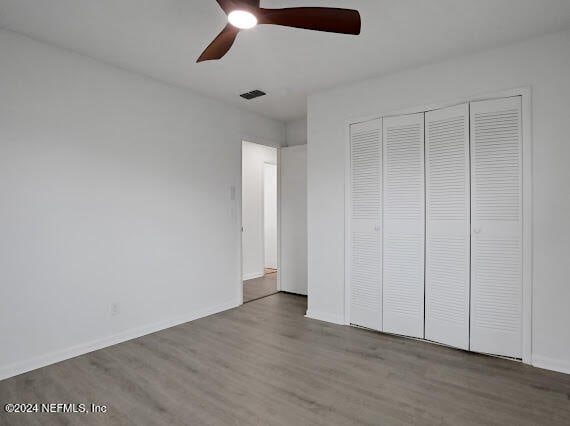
[246,14]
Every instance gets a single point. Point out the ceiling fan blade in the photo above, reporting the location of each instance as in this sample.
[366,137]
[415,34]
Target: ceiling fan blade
[329,19]
[226,5]
[248,4]
[221,44]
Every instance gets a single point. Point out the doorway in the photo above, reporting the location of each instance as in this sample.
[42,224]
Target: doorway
[259,221]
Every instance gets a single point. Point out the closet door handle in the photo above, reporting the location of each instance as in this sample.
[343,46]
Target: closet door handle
[476,230]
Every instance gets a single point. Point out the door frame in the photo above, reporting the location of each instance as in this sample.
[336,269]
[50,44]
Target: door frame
[239,207]
[527,173]
[277,208]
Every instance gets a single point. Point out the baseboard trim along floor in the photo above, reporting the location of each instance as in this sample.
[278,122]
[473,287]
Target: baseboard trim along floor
[83,348]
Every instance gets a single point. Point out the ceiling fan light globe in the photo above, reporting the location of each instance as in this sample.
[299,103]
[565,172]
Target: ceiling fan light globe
[242,19]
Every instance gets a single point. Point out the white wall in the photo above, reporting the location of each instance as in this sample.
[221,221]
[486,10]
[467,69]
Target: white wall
[115,189]
[293,273]
[542,63]
[254,158]
[270,215]
[296,132]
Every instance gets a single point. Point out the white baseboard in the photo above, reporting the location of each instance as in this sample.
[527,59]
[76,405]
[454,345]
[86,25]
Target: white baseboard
[252,276]
[562,366]
[83,348]
[322,316]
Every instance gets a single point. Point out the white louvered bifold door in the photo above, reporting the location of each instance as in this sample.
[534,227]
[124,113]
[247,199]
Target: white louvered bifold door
[496,215]
[365,220]
[447,226]
[404,225]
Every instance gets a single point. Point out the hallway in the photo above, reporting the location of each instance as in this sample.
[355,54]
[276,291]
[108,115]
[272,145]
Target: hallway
[260,287]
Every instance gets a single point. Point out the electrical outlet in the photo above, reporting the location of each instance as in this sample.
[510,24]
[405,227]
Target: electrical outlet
[115,308]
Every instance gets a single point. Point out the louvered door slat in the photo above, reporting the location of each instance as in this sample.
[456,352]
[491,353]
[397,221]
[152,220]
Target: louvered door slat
[447,226]
[403,238]
[365,219]
[496,276]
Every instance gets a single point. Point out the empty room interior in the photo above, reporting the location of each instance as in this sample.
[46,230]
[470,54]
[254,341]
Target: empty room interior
[285,212]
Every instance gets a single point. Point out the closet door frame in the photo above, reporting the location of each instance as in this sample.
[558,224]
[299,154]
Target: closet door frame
[526,113]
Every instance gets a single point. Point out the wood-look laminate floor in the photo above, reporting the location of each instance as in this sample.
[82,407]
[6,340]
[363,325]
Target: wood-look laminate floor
[265,364]
[260,287]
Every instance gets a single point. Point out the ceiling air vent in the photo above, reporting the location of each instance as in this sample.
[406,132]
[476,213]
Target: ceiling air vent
[253,94]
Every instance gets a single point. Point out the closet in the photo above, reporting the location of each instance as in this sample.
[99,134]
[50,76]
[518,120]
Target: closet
[434,229]
[365,222]
[496,221]
[448,226]
[404,222]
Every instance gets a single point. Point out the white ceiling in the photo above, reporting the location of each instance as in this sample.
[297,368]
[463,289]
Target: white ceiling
[163,38]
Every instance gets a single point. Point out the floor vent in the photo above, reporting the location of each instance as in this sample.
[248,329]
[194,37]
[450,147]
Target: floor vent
[253,94]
